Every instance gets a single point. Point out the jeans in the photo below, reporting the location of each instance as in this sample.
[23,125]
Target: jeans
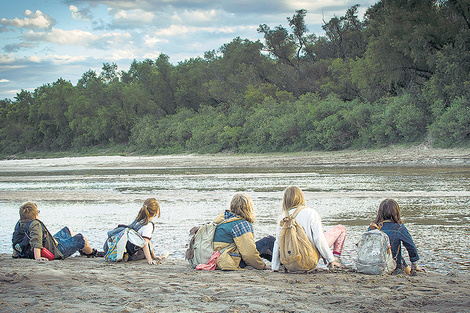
[67,244]
[265,248]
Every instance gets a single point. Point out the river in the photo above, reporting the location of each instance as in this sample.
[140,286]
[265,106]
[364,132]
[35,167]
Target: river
[434,201]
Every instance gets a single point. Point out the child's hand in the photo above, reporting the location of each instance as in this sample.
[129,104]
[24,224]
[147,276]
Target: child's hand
[334,265]
[152,262]
[41,259]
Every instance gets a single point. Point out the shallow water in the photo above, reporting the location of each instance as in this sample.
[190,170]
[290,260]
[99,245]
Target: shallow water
[435,202]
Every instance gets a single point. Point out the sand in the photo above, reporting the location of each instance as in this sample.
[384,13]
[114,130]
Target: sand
[81,284]
[421,155]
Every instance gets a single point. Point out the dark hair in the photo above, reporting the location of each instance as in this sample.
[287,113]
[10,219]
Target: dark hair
[388,210]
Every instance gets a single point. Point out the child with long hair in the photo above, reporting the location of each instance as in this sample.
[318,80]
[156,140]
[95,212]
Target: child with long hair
[310,221]
[236,237]
[144,226]
[388,220]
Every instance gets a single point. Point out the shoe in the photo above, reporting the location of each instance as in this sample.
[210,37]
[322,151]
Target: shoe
[339,262]
[398,271]
[94,253]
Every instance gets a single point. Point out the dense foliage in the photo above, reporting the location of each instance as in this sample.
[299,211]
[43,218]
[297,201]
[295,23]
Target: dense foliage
[399,75]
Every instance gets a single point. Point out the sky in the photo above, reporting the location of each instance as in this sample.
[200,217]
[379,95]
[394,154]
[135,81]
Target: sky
[44,40]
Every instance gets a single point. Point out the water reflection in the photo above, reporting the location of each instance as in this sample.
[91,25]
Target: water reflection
[435,202]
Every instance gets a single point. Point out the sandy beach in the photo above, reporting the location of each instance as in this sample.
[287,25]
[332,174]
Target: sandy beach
[414,156]
[79,284]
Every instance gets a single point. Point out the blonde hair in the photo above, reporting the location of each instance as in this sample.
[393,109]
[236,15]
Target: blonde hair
[150,209]
[29,211]
[242,205]
[293,197]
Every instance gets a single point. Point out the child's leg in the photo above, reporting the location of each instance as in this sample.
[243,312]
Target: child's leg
[64,233]
[335,237]
[87,248]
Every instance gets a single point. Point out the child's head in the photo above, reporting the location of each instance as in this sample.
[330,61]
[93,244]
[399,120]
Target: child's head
[242,205]
[388,210]
[293,197]
[28,211]
[150,209]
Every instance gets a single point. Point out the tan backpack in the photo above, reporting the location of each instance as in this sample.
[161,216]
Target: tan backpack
[297,252]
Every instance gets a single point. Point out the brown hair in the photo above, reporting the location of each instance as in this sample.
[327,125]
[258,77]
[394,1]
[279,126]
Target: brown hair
[29,211]
[293,197]
[150,209]
[242,205]
[388,210]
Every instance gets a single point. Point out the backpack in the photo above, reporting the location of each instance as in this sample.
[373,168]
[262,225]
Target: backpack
[201,243]
[119,239]
[296,250]
[374,256]
[20,240]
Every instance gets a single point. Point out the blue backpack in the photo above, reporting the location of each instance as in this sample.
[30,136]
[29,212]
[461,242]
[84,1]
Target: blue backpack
[123,239]
[21,238]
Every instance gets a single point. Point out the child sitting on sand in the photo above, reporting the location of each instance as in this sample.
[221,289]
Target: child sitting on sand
[310,221]
[388,220]
[144,226]
[31,236]
[238,236]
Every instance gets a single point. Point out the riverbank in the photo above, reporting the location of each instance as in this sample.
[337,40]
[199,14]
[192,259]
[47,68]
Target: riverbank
[79,284]
[421,155]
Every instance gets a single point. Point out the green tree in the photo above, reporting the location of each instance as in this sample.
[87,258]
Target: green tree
[51,102]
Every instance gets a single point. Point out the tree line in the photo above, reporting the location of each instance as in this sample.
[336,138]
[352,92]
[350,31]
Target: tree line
[399,75]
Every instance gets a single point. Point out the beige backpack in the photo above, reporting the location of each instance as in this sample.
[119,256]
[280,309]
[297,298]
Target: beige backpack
[297,252]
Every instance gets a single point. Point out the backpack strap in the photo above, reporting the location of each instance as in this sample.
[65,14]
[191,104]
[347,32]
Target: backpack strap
[297,210]
[232,219]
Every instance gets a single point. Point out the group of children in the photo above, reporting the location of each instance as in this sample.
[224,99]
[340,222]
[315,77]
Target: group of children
[235,236]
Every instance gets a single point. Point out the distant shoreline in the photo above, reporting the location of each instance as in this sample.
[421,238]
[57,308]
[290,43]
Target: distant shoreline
[391,156]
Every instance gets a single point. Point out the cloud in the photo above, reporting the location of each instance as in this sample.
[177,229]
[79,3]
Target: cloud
[83,14]
[78,37]
[132,17]
[4,80]
[151,41]
[16,47]
[33,20]
[122,54]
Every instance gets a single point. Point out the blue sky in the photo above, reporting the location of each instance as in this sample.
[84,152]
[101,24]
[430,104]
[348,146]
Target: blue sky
[44,40]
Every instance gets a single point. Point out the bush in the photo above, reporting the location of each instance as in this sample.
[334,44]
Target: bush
[452,128]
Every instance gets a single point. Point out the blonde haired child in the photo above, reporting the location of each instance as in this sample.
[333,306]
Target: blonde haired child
[236,233]
[31,236]
[310,221]
[144,226]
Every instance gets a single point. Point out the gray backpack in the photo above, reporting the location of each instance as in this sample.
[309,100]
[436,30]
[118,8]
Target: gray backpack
[201,244]
[374,256]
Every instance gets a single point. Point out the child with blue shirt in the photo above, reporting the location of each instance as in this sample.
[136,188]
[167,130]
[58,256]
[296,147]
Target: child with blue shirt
[388,220]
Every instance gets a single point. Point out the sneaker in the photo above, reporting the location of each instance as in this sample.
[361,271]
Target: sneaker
[398,271]
[339,262]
